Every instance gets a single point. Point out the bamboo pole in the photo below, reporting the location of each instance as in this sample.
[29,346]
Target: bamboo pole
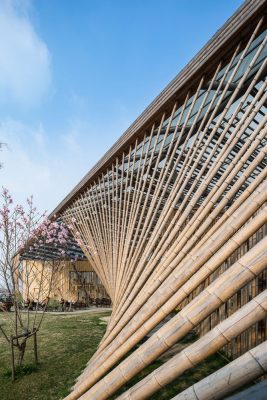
[235,375]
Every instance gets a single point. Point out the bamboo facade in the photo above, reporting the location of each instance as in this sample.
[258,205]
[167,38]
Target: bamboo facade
[255,334]
[173,219]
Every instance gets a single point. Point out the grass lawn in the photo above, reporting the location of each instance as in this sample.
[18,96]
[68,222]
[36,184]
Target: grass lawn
[66,342]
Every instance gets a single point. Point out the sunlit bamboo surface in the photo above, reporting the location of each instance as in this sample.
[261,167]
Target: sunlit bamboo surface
[244,369]
[177,224]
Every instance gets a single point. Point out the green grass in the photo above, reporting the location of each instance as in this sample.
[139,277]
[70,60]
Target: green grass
[65,344]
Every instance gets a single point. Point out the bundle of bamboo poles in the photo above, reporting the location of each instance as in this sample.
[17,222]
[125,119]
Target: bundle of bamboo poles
[182,201]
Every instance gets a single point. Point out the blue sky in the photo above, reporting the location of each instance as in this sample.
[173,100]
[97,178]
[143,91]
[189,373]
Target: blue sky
[74,74]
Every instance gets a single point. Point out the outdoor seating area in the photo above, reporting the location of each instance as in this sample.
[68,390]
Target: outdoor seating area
[52,305]
[65,305]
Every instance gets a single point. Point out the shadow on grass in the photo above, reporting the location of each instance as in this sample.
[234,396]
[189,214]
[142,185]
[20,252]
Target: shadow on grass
[23,370]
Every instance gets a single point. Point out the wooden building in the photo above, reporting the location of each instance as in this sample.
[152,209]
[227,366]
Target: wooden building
[74,282]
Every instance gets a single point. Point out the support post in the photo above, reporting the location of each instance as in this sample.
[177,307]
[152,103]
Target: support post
[12,359]
[35,347]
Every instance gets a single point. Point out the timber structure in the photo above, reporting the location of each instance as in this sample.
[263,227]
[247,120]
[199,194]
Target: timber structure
[173,219]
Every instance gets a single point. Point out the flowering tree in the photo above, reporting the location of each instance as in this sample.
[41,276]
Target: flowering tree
[31,252]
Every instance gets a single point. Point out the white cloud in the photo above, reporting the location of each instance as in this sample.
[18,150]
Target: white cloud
[38,163]
[74,138]
[25,61]
[24,169]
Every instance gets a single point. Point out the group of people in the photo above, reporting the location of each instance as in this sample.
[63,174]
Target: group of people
[31,304]
[65,304]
